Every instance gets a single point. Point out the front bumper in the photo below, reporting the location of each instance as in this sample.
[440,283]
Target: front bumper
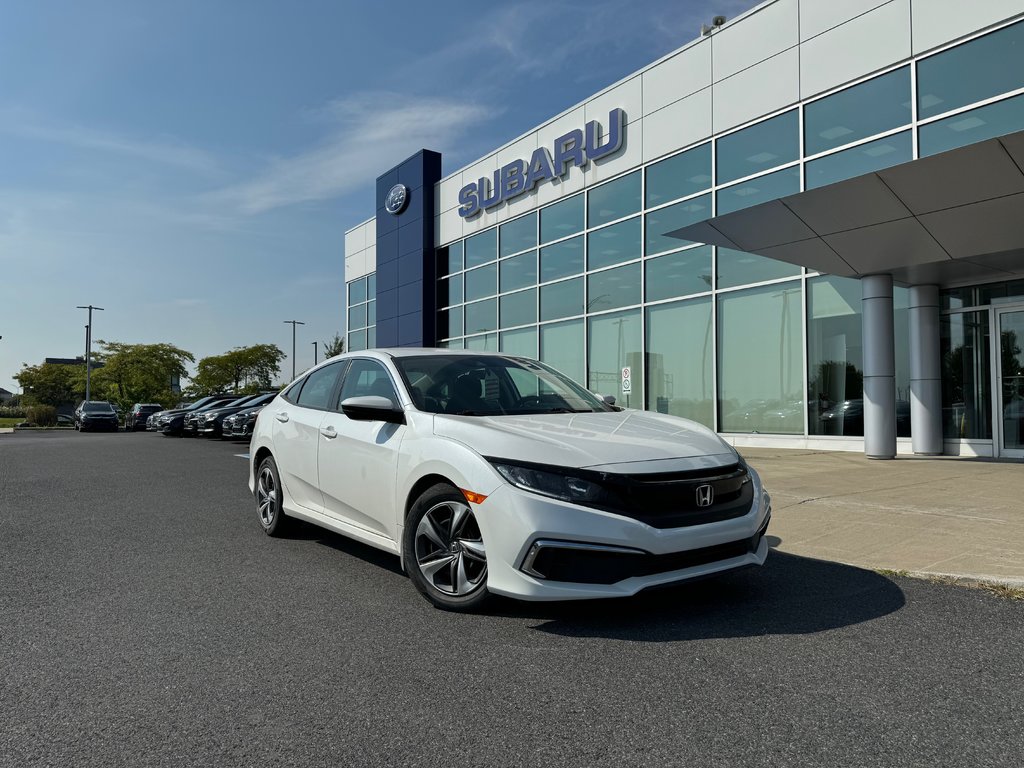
[544,549]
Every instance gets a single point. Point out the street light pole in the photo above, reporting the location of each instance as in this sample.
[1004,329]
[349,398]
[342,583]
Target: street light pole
[314,352]
[293,323]
[88,349]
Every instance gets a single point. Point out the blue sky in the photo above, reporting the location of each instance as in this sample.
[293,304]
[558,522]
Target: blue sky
[192,166]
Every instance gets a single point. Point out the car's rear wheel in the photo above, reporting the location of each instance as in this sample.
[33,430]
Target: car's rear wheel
[269,499]
[444,550]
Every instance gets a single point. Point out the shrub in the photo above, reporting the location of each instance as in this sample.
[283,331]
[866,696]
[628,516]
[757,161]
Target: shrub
[12,412]
[43,415]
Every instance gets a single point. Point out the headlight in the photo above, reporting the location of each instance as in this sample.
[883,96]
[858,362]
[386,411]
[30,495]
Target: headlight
[211,417]
[567,486]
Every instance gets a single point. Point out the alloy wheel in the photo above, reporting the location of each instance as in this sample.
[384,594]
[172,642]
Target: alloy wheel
[266,496]
[450,550]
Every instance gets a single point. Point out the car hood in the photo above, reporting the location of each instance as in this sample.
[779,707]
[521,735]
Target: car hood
[619,441]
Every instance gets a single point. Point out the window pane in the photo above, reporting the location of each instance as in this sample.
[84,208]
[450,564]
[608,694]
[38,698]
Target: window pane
[613,288]
[738,268]
[356,341]
[519,235]
[486,343]
[357,291]
[974,125]
[371,286]
[901,337]
[449,291]
[519,271]
[482,316]
[615,343]
[679,364]
[449,258]
[481,248]
[977,70]
[561,347]
[449,323]
[371,338]
[673,217]
[760,190]
[561,219]
[759,147]
[875,106]
[562,299]
[612,245]
[522,342]
[316,392]
[613,200]
[519,308]
[481,282]
[760,360]
[371,313]
[562,259]
[685,174]
[835,367]
[357,317]
[679,273]
[966,385]
[859,160]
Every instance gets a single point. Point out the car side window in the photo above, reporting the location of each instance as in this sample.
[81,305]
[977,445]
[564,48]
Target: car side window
[367,377]
[316,392]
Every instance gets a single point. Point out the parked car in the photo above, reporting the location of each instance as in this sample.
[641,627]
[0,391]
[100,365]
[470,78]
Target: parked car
[210,423]
[171,422]
[489,474]
[847,418]
[240,426]
[193,419]
[139,413]
[95,414]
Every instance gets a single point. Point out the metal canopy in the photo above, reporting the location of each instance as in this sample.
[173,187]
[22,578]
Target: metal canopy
[952,218]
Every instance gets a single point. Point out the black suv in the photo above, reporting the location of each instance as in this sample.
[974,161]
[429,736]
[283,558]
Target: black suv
[136,418]
[95,414]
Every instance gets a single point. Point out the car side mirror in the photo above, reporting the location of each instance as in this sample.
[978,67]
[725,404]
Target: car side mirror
[372,408]
[607,399]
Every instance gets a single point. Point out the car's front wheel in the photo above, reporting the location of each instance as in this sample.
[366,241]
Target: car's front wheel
[269,500]
[444,550]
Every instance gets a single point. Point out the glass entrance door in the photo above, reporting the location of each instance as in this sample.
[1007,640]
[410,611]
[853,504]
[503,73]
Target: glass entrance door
[1010,367]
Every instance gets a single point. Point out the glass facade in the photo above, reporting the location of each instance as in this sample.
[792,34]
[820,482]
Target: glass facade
[362,313]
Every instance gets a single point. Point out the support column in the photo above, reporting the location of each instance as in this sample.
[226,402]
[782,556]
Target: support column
[925,371]
[879,368]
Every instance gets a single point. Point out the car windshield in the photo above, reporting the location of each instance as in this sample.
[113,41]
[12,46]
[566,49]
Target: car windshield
[489,385]
[97,408]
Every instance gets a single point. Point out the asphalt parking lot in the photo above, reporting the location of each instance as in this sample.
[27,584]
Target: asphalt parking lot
[145,620]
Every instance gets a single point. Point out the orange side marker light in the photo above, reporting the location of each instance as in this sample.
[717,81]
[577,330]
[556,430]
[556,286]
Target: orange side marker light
[473,498]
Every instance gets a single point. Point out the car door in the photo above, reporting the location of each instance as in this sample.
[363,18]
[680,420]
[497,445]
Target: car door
[297,419]
[358,460]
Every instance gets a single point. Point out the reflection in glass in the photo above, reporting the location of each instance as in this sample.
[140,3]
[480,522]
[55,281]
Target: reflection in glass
[760,365]
[874,106]
[761,146]
[760,190]
[678,274]
[520,342]
[371,312]
[486,343]
[684,174]
[561,219]
[613,245]
[518,308]
[901,337]
[972,71]
[371,337]
[616,342]
[357,291]
[482,248]
[613,200]
[561,347]
[356,341]
[671,218]
[563,299]
[449,323]
[449,259]
[371,286]
[966,376]
[519,271]
[737,268]
[986,122]
[562,259]
[482,316]
[613,288]
[481,282]
[449,291]
[1011,379]
[357,316]
[856,161]
[679,360]
[835,359]
[518,235]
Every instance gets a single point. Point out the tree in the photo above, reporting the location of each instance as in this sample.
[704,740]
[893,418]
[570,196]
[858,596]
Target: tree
[140,373]
[244,369]
[52,383]
[335,346]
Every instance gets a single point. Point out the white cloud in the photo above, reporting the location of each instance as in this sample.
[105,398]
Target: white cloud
[370,131]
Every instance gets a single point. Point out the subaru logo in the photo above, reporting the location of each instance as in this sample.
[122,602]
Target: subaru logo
[705,495]
[397,197]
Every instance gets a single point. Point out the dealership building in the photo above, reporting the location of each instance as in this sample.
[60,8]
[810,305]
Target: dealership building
[803,229]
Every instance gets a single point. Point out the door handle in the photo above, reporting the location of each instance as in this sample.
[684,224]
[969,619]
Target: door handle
[281,416]
[329,432]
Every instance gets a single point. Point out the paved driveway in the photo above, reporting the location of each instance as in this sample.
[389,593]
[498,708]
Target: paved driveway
[146,620]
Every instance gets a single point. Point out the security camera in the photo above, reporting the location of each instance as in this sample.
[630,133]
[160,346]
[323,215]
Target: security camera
[718,21]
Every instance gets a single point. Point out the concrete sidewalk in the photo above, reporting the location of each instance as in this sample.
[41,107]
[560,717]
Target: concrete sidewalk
[942,516]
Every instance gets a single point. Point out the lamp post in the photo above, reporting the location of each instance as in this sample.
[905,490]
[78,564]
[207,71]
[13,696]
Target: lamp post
[293,323]
[314,353]
[88,349]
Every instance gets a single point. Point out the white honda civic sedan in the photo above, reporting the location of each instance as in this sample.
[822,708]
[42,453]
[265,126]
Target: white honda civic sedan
[492,474]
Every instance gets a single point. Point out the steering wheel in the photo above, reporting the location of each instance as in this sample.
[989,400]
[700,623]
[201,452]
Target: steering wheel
[525,402]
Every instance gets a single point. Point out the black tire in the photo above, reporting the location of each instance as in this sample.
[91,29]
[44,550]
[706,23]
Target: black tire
[268,495]
[448,565]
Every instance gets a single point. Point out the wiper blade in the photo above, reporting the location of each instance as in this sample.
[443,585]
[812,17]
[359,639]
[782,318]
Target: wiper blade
[568,410]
